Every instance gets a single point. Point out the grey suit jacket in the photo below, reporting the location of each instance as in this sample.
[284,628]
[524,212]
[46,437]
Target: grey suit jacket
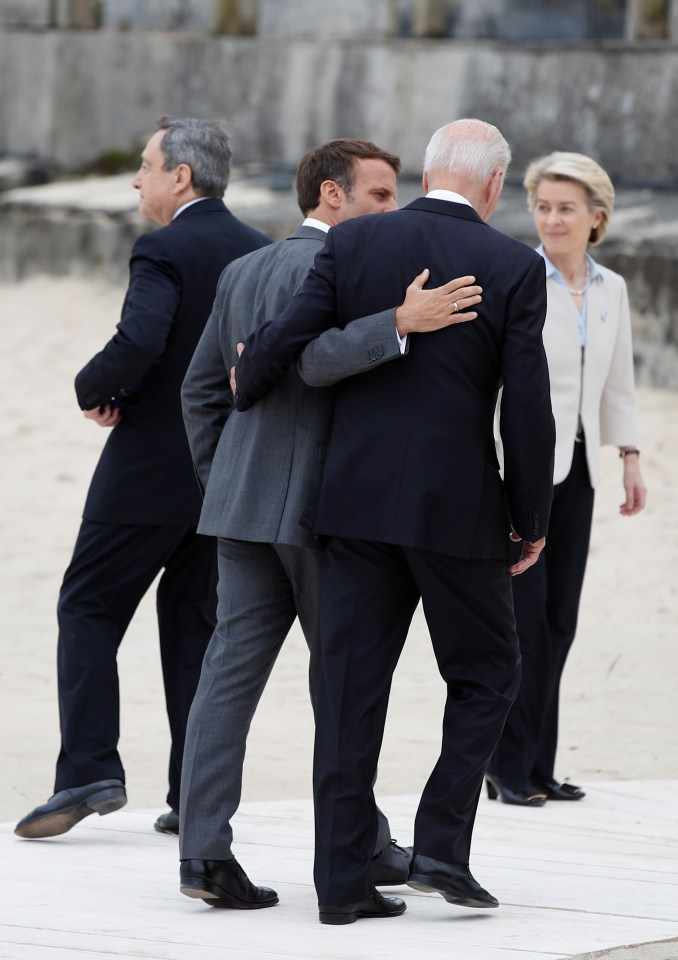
[261,470]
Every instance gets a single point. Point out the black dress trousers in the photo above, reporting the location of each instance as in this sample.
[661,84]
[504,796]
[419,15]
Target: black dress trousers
[369,595]
[546,601]
[113,566]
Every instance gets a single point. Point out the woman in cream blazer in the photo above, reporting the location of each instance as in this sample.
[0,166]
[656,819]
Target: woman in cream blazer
[587,337]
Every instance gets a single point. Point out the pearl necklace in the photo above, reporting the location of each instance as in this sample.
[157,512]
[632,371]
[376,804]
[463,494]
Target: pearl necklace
[580,293]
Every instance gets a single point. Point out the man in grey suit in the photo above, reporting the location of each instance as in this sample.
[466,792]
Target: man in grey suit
[258,472]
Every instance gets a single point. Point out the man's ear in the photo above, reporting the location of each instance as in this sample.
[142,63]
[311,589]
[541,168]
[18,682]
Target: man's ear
[332,193]
[424,181]
[493,190]
[183,177]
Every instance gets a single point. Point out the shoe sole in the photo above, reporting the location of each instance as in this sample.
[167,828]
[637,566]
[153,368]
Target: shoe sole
[342,918]
[389,878]
[198,888]
[424,885]
[54,824]
[170,833]
[535,800]
[538,800]
[567,797]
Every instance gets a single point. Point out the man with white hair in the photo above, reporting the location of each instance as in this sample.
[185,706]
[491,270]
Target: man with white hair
[413,505]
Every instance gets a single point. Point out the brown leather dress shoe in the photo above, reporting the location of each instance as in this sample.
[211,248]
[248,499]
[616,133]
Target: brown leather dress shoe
[223,883]
[374,906]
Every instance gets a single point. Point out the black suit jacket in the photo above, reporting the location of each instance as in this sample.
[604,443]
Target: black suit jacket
[412,457]
[145,473]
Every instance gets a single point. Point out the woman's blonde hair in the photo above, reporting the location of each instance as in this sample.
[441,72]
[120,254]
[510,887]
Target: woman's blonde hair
[578,168]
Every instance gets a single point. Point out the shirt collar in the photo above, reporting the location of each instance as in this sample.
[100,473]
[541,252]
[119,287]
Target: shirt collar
[595,273]
[318,224]
[448,195]
[190,203]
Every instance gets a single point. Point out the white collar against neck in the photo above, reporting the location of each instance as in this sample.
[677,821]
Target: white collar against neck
[448,195]
[318,224]
[190,203]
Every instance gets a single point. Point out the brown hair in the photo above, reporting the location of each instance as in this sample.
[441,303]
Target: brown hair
[335,160]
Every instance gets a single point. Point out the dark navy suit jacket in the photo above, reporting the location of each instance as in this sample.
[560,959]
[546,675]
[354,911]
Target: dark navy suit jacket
[145,473]
[411,458]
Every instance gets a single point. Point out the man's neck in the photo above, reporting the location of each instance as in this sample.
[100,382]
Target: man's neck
[186,204]
[313,220]
[450,195]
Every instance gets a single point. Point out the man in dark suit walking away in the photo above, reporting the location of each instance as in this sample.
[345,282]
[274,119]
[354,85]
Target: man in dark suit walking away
[143,503]
[259,472]
[413,505]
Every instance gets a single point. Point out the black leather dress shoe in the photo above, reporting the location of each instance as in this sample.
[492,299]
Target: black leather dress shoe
[452,880]
[168,823]
[374,906]
[68,807]
[223,883]
[391,867]
[518,793]
[561,791]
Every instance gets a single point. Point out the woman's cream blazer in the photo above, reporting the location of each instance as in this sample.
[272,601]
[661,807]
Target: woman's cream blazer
[604,381]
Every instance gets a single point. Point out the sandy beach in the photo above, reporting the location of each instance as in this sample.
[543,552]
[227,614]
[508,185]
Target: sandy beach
[619,705]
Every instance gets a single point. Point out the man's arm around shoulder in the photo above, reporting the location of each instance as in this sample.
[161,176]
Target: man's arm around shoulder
[366,343]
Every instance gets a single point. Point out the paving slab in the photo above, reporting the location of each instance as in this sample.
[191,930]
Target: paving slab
[593,879]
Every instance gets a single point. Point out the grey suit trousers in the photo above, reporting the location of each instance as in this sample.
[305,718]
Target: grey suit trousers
[262,589]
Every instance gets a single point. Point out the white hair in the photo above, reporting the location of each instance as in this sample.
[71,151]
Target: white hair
[204,146]
[472,148]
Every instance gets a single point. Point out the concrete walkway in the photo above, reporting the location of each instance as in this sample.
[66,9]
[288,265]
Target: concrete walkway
[592,879]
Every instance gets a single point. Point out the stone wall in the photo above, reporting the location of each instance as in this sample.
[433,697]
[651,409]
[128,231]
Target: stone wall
[72,96]
[652,280]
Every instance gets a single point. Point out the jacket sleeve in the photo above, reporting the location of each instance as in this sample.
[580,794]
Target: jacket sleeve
[206,396]
[339,353]
[526,420]
[272,348]
[150,305]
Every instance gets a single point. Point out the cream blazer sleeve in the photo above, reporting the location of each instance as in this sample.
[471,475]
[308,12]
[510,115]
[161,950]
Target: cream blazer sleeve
[604,384]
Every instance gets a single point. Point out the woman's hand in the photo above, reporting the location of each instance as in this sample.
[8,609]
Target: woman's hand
[636,491]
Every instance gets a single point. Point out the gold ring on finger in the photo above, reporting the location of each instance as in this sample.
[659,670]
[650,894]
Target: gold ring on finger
[455,307]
